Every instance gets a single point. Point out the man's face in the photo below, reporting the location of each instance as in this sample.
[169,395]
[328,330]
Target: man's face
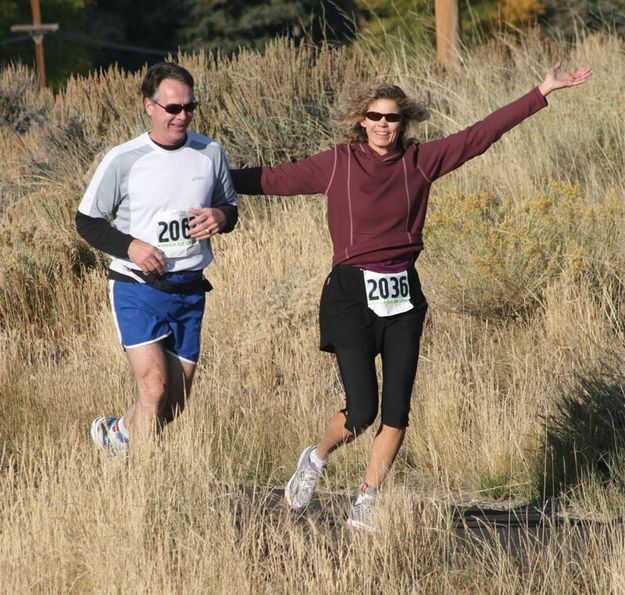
[169,129]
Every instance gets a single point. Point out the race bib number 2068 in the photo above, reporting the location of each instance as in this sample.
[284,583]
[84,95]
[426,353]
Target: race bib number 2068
[387,293]
[172,234]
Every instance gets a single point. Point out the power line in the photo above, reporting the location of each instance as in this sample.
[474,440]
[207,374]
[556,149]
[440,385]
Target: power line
[17,39]
[83,39]
[86,40]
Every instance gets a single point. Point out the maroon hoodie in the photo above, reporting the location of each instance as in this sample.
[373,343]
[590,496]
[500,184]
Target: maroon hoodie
[377,203]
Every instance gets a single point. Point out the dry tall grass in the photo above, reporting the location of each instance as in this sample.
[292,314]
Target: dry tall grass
[524,272]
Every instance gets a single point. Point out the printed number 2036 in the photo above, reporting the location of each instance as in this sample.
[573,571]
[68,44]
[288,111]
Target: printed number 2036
[388,288]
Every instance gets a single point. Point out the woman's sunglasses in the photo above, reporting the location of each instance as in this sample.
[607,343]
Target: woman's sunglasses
[176,108]
[377,116]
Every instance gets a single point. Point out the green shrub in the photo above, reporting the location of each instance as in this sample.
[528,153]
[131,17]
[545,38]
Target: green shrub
[491,257]
[21,103]
[585,435]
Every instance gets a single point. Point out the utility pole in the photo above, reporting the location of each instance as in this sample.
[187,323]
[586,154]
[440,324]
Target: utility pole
[447,32]
[37,30]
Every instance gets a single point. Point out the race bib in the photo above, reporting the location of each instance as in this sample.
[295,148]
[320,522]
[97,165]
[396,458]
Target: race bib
[387,293]
[172,234]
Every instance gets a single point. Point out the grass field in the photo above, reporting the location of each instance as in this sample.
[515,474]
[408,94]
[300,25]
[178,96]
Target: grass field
[519,395]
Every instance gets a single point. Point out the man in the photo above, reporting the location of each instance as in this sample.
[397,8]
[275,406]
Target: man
[153,205]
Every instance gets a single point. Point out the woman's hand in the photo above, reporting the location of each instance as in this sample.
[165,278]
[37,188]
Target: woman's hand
[554,79]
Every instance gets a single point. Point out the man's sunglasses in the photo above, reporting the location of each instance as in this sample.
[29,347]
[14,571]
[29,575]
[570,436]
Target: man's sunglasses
[176,108]
[377,116]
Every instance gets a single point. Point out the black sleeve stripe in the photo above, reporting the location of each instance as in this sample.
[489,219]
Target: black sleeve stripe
[100,234]
[232,216]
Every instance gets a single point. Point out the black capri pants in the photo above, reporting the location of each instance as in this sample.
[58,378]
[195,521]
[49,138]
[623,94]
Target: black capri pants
[351,330]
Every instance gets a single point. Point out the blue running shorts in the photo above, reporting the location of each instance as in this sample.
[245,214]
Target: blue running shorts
[145,315]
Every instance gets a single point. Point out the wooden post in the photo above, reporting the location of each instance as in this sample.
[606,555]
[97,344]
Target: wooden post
[38,39]
[448,32]
[37,31]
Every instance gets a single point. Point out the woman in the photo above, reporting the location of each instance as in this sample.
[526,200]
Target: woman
[377,185]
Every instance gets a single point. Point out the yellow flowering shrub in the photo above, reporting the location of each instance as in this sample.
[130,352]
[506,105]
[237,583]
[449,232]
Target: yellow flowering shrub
[519,12]
[491,256]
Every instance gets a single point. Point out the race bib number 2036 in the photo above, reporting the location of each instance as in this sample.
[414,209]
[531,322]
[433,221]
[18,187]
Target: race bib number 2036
[387,293]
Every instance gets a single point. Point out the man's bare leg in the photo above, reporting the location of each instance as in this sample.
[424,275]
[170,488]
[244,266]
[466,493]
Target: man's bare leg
[150,370]
[180,375]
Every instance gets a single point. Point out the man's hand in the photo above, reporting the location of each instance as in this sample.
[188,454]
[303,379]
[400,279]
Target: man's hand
[147,257]
[554,79]
[206,223]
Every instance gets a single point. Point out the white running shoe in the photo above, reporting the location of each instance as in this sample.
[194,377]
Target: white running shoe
[361,515]
[300,488]
[106,434]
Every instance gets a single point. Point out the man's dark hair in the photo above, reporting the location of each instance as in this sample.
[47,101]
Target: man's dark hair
[157,73]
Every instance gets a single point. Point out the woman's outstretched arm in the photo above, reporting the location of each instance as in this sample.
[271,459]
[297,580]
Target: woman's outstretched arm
[439,157]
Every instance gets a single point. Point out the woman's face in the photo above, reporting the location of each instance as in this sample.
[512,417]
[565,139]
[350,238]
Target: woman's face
[382,135]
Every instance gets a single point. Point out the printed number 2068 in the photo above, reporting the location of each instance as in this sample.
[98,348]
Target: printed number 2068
[172,230]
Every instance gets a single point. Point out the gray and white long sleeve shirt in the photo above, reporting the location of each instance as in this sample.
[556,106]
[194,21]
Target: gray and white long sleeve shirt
[142,190]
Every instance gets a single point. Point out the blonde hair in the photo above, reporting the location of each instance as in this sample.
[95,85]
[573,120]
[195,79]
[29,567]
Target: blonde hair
[354,107]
